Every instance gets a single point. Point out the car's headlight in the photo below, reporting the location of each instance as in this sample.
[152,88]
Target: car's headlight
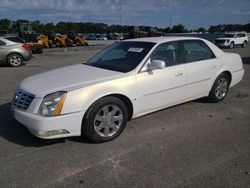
[52,104]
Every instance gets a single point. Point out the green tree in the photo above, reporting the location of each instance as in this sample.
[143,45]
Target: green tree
[202,30]
[179,29]
[5,24]
[167,30]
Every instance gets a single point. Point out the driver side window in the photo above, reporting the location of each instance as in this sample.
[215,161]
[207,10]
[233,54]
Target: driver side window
[167,52]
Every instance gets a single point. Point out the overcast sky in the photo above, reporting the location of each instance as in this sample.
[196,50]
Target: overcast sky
[191,13]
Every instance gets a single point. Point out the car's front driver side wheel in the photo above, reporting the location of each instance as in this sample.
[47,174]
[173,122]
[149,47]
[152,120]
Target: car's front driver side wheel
[231,45]
[219,89]
[105,119]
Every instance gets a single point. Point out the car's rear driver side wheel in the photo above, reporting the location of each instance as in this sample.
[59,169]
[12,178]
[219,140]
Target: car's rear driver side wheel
[105,119]
[219,89]
[14,60]
[244,44]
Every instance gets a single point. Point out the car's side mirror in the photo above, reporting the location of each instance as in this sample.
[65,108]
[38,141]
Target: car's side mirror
[156,64]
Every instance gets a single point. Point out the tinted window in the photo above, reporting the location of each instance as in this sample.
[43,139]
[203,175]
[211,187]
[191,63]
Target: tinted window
[229,36]
[121,56]
[15,39]
[241,35]
[2,43]
[168,52]
[196,50]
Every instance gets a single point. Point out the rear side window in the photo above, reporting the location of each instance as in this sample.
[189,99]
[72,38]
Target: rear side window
[15,39]
[2,43]
[241,35]
[196,50]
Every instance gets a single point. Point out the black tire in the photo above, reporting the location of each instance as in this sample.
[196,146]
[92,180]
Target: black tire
[231,46]
[244,44]
[213,97]
[88,124]
[14,60]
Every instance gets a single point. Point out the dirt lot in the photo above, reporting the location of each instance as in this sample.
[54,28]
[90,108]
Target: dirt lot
[196,144]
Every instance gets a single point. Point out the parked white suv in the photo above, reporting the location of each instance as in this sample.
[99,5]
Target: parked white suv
[232,39]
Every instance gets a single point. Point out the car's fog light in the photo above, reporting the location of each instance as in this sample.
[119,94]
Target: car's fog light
[49,133]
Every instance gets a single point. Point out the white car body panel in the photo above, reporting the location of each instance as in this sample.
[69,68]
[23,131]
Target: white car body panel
[166,85]
[200,77]
[148,91]
[66,79]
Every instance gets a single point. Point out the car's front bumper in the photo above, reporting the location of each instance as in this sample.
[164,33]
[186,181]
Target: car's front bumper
[222,44]
[50,127]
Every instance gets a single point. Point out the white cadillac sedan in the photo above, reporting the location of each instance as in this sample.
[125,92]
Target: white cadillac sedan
[126,80]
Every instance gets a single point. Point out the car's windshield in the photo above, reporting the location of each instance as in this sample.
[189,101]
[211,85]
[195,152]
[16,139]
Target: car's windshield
[228,35]
[121,56]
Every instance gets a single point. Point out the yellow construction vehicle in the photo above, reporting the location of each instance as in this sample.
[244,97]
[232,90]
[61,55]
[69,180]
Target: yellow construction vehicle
[57,40]
[60,40]
[43,39]
[26,32]
[78,40]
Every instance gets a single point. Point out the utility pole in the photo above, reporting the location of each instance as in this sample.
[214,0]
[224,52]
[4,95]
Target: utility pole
[120,10]
[170,22]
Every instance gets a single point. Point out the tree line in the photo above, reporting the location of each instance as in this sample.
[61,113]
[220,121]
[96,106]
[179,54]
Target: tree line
[90,27]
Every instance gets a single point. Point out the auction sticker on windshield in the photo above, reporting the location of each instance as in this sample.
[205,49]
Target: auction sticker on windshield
[132,49]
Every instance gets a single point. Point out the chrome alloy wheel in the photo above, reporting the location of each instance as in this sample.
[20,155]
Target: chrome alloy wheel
[108,120]
[221,89]
[15,60]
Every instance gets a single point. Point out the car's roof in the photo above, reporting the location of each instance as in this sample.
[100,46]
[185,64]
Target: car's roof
[162,39]
[7,36]
[236,32]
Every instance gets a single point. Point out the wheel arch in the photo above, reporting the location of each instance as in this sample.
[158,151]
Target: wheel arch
[6,60]
[128,103]
[225,71]
[229,74]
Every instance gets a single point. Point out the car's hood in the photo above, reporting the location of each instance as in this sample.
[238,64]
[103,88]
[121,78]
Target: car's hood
[66,79]
[221,38]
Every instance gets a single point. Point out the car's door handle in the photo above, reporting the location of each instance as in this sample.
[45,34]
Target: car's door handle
[213,67]
[178,74]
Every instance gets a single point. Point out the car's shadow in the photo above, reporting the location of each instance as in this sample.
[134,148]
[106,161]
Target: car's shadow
[17,133]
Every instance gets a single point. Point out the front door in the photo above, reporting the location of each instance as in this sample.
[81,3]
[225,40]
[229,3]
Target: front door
[161,88]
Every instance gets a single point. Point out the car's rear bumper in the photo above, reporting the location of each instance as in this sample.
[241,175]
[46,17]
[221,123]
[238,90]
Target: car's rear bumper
[50,127]
[237,77]
[27,55]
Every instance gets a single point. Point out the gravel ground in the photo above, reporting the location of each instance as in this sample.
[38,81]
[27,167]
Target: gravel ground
[196,144]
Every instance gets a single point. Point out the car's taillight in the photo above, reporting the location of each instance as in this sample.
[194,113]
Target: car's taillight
[25,46]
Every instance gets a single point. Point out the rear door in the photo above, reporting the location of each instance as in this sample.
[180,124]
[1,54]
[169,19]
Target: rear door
[201,65]
[239,38]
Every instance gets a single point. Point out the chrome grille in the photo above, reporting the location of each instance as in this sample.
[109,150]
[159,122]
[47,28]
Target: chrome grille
[22,99]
